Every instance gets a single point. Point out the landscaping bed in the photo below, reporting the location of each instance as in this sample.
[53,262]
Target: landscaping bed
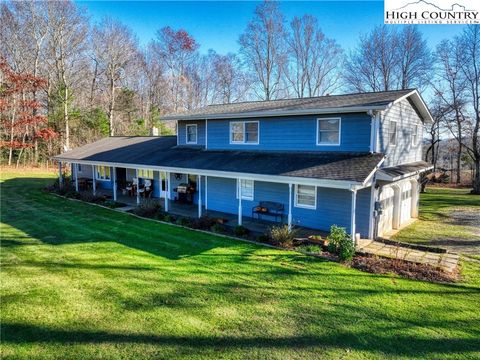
[406,269]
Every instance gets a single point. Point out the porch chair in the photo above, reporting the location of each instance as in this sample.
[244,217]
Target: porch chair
[145,190]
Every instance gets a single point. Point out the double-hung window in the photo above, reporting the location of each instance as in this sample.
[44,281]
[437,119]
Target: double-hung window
[145,173]
[191,134]
[306,196]
[247,189]
[328,131]
[244,132]
[415,135]
[392,133]
[103,172]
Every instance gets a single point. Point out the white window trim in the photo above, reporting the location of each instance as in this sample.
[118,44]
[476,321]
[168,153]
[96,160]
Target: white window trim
[186,134]
[296,204]
[140,171]
[339,131]
[244,137]
[243,194]
[415,135]
[396,132]
[97,175]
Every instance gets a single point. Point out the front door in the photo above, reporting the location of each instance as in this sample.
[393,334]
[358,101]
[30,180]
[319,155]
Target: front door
[121,174]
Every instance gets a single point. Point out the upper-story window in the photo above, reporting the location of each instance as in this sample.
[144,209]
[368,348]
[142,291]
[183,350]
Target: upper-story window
[328,131]
[191,134]
[415,135]
[103,172]
[244,132]
[392,133]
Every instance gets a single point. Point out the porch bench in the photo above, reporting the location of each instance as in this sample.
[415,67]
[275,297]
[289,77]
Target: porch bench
[269,208]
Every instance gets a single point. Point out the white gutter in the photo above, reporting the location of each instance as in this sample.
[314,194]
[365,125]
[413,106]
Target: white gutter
[338,184]
[383,176]
[276,113]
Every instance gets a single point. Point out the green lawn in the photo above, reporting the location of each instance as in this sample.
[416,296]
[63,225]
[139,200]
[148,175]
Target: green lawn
[438,225]
[79,281]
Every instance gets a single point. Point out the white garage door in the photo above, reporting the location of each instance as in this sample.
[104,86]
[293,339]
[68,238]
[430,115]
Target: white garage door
[385,223]
[406,204]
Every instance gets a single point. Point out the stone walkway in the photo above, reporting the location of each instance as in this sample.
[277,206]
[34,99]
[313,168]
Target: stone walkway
[446,261]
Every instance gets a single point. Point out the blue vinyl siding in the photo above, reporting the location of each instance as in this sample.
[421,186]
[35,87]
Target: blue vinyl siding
[182,132]
[363,211]
[297,133]
[333,205]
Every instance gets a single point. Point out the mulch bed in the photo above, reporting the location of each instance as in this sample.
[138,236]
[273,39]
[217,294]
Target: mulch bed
[409,270]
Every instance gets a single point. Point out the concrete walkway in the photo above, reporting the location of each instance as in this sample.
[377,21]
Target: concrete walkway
[446,261]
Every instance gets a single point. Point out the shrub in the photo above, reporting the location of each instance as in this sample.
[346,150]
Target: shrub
[240,230]
[90,197]
[282,235]
[169,218]
[218,228]
[72,194]
[203,223]
[310,249]
[183,221]
[149,208]
[340,243]
[113,204]
[264,238]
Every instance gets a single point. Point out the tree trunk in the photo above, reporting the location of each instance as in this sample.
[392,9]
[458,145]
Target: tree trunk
[111,106]
[66,120]
[459,162]
[12,135]
[476,180]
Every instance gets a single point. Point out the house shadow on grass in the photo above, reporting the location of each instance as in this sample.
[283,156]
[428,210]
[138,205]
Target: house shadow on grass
[14,333]
[39,217]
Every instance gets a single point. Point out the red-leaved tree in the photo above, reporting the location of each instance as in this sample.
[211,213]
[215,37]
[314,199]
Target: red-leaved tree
[21,122]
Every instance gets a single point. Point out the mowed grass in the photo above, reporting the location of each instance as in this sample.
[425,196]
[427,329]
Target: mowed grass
[435,220]
[82,282]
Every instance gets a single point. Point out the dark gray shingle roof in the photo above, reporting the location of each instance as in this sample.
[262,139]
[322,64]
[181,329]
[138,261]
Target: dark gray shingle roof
[405,169]
[372,99]
[162,151]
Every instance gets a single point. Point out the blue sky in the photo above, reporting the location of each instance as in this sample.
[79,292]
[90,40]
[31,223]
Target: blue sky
[217,24]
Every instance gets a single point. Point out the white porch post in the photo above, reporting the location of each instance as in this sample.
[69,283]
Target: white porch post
[114,178]
[94,182]
[167,189]
[289,206]
[354,205]
[76,177]
[138,183]
[199,181]
[60,177]
[206,192]
[239,184]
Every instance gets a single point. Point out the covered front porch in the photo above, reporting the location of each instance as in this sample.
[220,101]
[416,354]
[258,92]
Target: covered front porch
[234,200]
[258,226]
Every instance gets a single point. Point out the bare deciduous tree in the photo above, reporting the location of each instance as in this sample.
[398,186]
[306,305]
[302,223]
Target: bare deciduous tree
[67,35]
[263,47]
[388,60]
[115,49]
[313,67]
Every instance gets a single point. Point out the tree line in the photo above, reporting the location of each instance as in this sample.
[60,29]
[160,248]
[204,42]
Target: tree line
[85,80]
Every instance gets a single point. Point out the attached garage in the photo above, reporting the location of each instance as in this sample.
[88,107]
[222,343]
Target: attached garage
[398,196]
[385,221]
[405,202]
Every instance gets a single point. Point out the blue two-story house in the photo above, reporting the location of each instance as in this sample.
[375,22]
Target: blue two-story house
[352,160]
